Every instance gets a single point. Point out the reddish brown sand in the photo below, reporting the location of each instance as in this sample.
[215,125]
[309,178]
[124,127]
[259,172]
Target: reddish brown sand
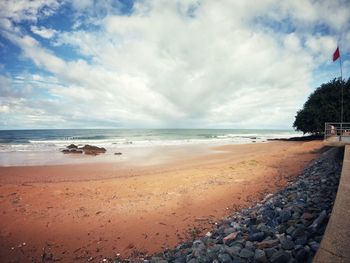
[89,212]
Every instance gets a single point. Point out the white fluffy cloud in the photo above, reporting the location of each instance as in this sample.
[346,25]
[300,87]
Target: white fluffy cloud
[43,31]
[186,63]
[19,10]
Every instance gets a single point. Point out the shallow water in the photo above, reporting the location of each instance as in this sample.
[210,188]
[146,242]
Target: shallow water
[42,147]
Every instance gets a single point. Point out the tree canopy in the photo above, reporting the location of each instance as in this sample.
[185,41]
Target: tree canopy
[324,105]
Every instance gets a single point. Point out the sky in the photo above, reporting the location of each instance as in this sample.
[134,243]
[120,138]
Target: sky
[166,63]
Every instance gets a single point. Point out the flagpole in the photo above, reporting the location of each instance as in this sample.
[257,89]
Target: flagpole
[342,89]
[342,98]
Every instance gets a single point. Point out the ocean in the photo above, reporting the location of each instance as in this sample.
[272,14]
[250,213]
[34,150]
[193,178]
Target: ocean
[54,140]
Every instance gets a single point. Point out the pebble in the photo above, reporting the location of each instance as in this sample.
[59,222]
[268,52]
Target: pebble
[285,216]
[249,244]
[287,244]
[301,240]
[318,221]
[233,251]
[314,246]
[301,255]
[246,253]
[224,258]
[268,243]
[270,251]
[307,216]
[279,257]
[230,237]
[290,230]
[259,236]
[260,256]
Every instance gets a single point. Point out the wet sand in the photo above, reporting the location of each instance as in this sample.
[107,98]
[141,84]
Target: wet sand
[87,212]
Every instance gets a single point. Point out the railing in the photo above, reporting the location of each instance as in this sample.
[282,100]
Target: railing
[337,131]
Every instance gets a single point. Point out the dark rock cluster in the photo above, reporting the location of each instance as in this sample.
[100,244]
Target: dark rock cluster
[87,149]
[285,227]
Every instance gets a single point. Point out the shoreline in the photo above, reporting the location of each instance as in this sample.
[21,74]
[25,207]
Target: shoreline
[16,151]
[151,208]
[135,155]
[159,160]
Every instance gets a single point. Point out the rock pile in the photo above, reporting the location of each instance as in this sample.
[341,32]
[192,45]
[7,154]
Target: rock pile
[87,149]
[285,227]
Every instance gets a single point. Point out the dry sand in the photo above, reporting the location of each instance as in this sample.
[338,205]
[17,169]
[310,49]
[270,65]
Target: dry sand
[92,211]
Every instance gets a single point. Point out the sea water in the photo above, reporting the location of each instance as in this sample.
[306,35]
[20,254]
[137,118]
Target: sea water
[25,147]
[50,140]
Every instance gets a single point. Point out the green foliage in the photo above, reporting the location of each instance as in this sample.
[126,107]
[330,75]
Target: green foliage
[323,105]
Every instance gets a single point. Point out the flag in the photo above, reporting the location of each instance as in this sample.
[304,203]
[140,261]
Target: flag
[336,54]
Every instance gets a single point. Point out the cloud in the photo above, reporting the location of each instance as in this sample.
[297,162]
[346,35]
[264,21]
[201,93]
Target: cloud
[18,10]
[182,63]
[323,46]
[8,89]
[32,49]
[43,31]
[5,86]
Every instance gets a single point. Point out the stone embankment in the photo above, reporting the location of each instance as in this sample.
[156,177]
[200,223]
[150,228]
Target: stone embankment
[285,227]
[335,245]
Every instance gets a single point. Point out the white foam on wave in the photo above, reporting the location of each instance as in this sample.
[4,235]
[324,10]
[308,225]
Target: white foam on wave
[117,143]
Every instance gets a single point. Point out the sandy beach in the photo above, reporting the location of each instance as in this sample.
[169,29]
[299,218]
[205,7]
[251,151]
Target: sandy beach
[86,212]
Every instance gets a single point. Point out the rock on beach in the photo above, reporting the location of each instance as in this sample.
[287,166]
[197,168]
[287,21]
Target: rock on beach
[86,149]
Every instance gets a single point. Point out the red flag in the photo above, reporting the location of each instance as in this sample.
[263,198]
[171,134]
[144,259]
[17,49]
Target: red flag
[336,54]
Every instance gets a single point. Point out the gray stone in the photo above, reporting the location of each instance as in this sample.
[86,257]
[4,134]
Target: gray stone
[246,253]
[307,248]
[318,221]
[280,257]
[281,228]
[285,215]
[267,243]
[269,213]
[301,255]
[260,256]
[224,258]
[198,248]
[298,232]
[198,244]
[230,237]
[249,244]
[184,245]
[287,244]
[266,229]
[237,243]
[301,240]
[314,246]
[259,236]
[233,251]
[290,230]
[270,251]
[180,259]
[229,230]
[318,239]
[213,250]
[235,225]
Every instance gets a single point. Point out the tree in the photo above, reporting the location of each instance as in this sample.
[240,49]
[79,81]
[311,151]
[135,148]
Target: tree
[324,105]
